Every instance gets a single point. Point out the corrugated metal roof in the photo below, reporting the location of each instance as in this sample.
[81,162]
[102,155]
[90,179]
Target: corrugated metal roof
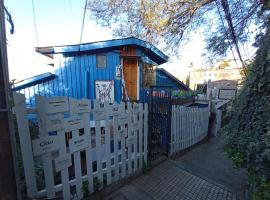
[151,51]
[33,81]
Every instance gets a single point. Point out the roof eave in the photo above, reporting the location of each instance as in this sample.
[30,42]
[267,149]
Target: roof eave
[154,53]
[47,51]
[174,78]
[33,81]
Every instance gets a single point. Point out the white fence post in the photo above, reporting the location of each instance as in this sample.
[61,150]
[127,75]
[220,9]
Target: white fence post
[46,158]
[25,144]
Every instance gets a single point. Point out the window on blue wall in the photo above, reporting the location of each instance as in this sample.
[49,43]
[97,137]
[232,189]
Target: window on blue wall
[101,61]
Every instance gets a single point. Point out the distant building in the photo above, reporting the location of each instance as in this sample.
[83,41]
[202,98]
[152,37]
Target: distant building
[202,76]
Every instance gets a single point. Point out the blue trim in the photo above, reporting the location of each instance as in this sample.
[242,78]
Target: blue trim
[154,53]
[33,81]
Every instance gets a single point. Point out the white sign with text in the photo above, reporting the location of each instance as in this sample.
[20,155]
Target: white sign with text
[45,145]
[226,93]
[62,162]
[78,143]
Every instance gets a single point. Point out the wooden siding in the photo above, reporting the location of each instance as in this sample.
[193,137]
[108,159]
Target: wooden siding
[128,51]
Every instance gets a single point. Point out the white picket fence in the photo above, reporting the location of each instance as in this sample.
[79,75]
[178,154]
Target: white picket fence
[189,125]
[77,142]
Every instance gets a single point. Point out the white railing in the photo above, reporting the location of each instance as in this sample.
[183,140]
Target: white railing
[189,125]
[78,145]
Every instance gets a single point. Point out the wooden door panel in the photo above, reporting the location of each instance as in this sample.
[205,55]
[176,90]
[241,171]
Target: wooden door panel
[130,66]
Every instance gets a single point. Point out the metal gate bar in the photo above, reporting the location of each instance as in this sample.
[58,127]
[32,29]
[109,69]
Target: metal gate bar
[159,121]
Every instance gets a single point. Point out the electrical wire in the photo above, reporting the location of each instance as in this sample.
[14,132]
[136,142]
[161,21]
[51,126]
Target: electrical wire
[84,12]
[226,32]
[35,21]
[70,7]
[226,9]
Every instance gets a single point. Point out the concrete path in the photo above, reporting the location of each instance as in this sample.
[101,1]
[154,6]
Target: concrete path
[209,162]
[203,173]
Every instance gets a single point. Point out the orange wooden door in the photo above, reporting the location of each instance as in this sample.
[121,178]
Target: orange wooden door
[130,68]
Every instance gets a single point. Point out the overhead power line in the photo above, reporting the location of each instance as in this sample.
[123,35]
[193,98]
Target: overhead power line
[84,12]
[226,31]
[35,22]
[228,17]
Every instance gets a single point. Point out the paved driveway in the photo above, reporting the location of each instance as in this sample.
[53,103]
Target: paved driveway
[209,161]
[169,181]
[203,173]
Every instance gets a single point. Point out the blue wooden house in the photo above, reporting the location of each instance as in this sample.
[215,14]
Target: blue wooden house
[115,70]
[106,69]
[164,78]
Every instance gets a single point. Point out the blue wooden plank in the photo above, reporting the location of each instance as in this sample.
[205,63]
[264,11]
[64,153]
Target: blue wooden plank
[84,77]
[73,77]
[68,77]
[87,84]
[92,66]
[77,76]
[61,78]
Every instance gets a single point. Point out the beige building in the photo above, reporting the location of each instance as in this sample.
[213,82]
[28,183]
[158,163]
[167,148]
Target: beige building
[201,76]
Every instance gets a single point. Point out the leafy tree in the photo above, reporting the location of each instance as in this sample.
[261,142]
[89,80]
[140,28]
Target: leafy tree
[169,22]
[224,64]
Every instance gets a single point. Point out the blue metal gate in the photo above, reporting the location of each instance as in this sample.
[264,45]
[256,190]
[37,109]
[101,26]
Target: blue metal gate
[159,121]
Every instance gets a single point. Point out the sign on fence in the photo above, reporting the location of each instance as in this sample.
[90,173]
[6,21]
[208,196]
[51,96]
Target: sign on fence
[62,162]
[226,94]
[78,142]
[45,145]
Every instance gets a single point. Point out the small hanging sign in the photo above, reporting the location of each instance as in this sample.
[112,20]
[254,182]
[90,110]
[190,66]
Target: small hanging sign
[62,162]
[73,123]
[78,143]
[54,123]
[56,105]
[118,72]
[80,106]
[99,115]
[45,145]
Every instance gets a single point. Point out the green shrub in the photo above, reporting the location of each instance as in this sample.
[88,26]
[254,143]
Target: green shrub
[85,189]
[248,130]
